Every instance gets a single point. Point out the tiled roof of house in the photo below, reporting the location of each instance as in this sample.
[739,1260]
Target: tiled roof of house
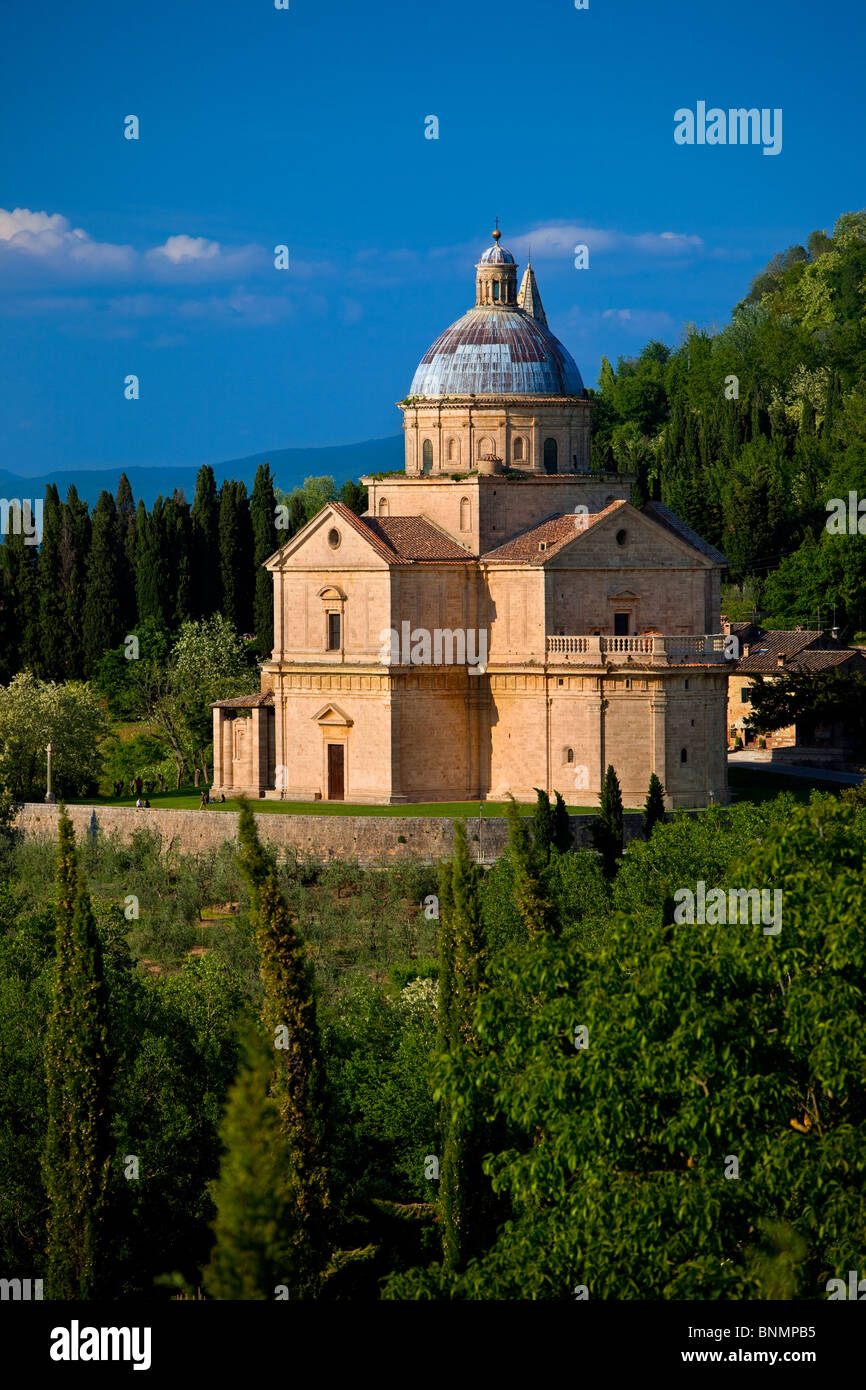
[659,512]
[265,697]
[552,534]
[803,650]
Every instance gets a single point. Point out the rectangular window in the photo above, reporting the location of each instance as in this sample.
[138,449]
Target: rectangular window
[620,624]
[333,632]
[745,696]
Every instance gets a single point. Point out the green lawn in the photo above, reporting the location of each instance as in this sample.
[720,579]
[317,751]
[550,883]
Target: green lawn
[746,784]
[749,784]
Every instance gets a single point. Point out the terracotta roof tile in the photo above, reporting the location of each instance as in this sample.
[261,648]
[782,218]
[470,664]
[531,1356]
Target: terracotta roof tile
[417,539]
[246,701]
[553,533]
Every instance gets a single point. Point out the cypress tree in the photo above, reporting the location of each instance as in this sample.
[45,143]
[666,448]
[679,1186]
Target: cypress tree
[23,589]
[206,579]
[177,529]
[530,892]
[289,1017]
[255,1214]
[74,558]
[561,826]
[265,541]
[51,665]
[462,1185]
[77,1072]
[126,527]
[236,555]
[607,827]
[542,825]
[101,617]
[150,564]
[654,807]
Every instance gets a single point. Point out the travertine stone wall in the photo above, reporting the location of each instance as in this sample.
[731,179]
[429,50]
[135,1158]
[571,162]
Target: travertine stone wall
[366,838]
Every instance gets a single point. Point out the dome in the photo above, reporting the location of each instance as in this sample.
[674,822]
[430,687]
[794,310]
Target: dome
[497,255]
[495,352]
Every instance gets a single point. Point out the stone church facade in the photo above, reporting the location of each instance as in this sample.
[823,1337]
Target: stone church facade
[501,618]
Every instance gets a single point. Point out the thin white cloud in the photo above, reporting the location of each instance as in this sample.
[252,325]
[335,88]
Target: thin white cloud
[40,246]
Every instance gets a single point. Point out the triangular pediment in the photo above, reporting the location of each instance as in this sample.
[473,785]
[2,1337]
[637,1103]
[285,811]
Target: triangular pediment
[623,593]
[331,714]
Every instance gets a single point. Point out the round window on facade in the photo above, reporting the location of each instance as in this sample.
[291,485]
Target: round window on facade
[333,538]
[621,537]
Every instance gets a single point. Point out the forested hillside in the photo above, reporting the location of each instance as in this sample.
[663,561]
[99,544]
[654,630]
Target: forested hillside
[748,431]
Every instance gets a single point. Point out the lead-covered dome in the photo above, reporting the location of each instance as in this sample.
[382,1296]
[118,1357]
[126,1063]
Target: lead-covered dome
[501,347]
[497,352]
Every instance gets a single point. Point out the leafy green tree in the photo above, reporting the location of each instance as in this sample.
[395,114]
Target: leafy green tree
[607,826]
[34,713]
[289,1018]
[637,1080]
[256,1214]
[78,1080]
[462,1185]
[209,662]
[654,808]
[809,699]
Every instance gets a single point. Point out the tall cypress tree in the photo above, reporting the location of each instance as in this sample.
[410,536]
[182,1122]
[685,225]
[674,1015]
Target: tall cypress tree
[266,540]
[289,1017]
[542,825]
[530,892]
[150,564]
[255,1210]
[236,555]
[126,528]
[101,617]
[77,1072]
[654,809]
[205,574]
[562,840]
[52,614]
[74,557]
[462,1185]
[607,827]
[23,587]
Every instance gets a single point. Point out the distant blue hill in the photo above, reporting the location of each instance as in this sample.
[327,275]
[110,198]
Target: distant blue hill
[289,466]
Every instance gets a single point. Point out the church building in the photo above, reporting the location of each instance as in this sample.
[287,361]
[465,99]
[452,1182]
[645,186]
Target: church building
[501,618]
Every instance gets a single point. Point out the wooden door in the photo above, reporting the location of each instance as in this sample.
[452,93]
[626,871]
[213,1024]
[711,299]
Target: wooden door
[336,787]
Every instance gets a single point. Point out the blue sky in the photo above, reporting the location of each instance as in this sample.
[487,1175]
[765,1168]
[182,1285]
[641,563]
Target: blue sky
[306,127]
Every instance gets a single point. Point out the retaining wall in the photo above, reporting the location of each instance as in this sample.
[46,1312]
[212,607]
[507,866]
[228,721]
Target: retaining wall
[367,839]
